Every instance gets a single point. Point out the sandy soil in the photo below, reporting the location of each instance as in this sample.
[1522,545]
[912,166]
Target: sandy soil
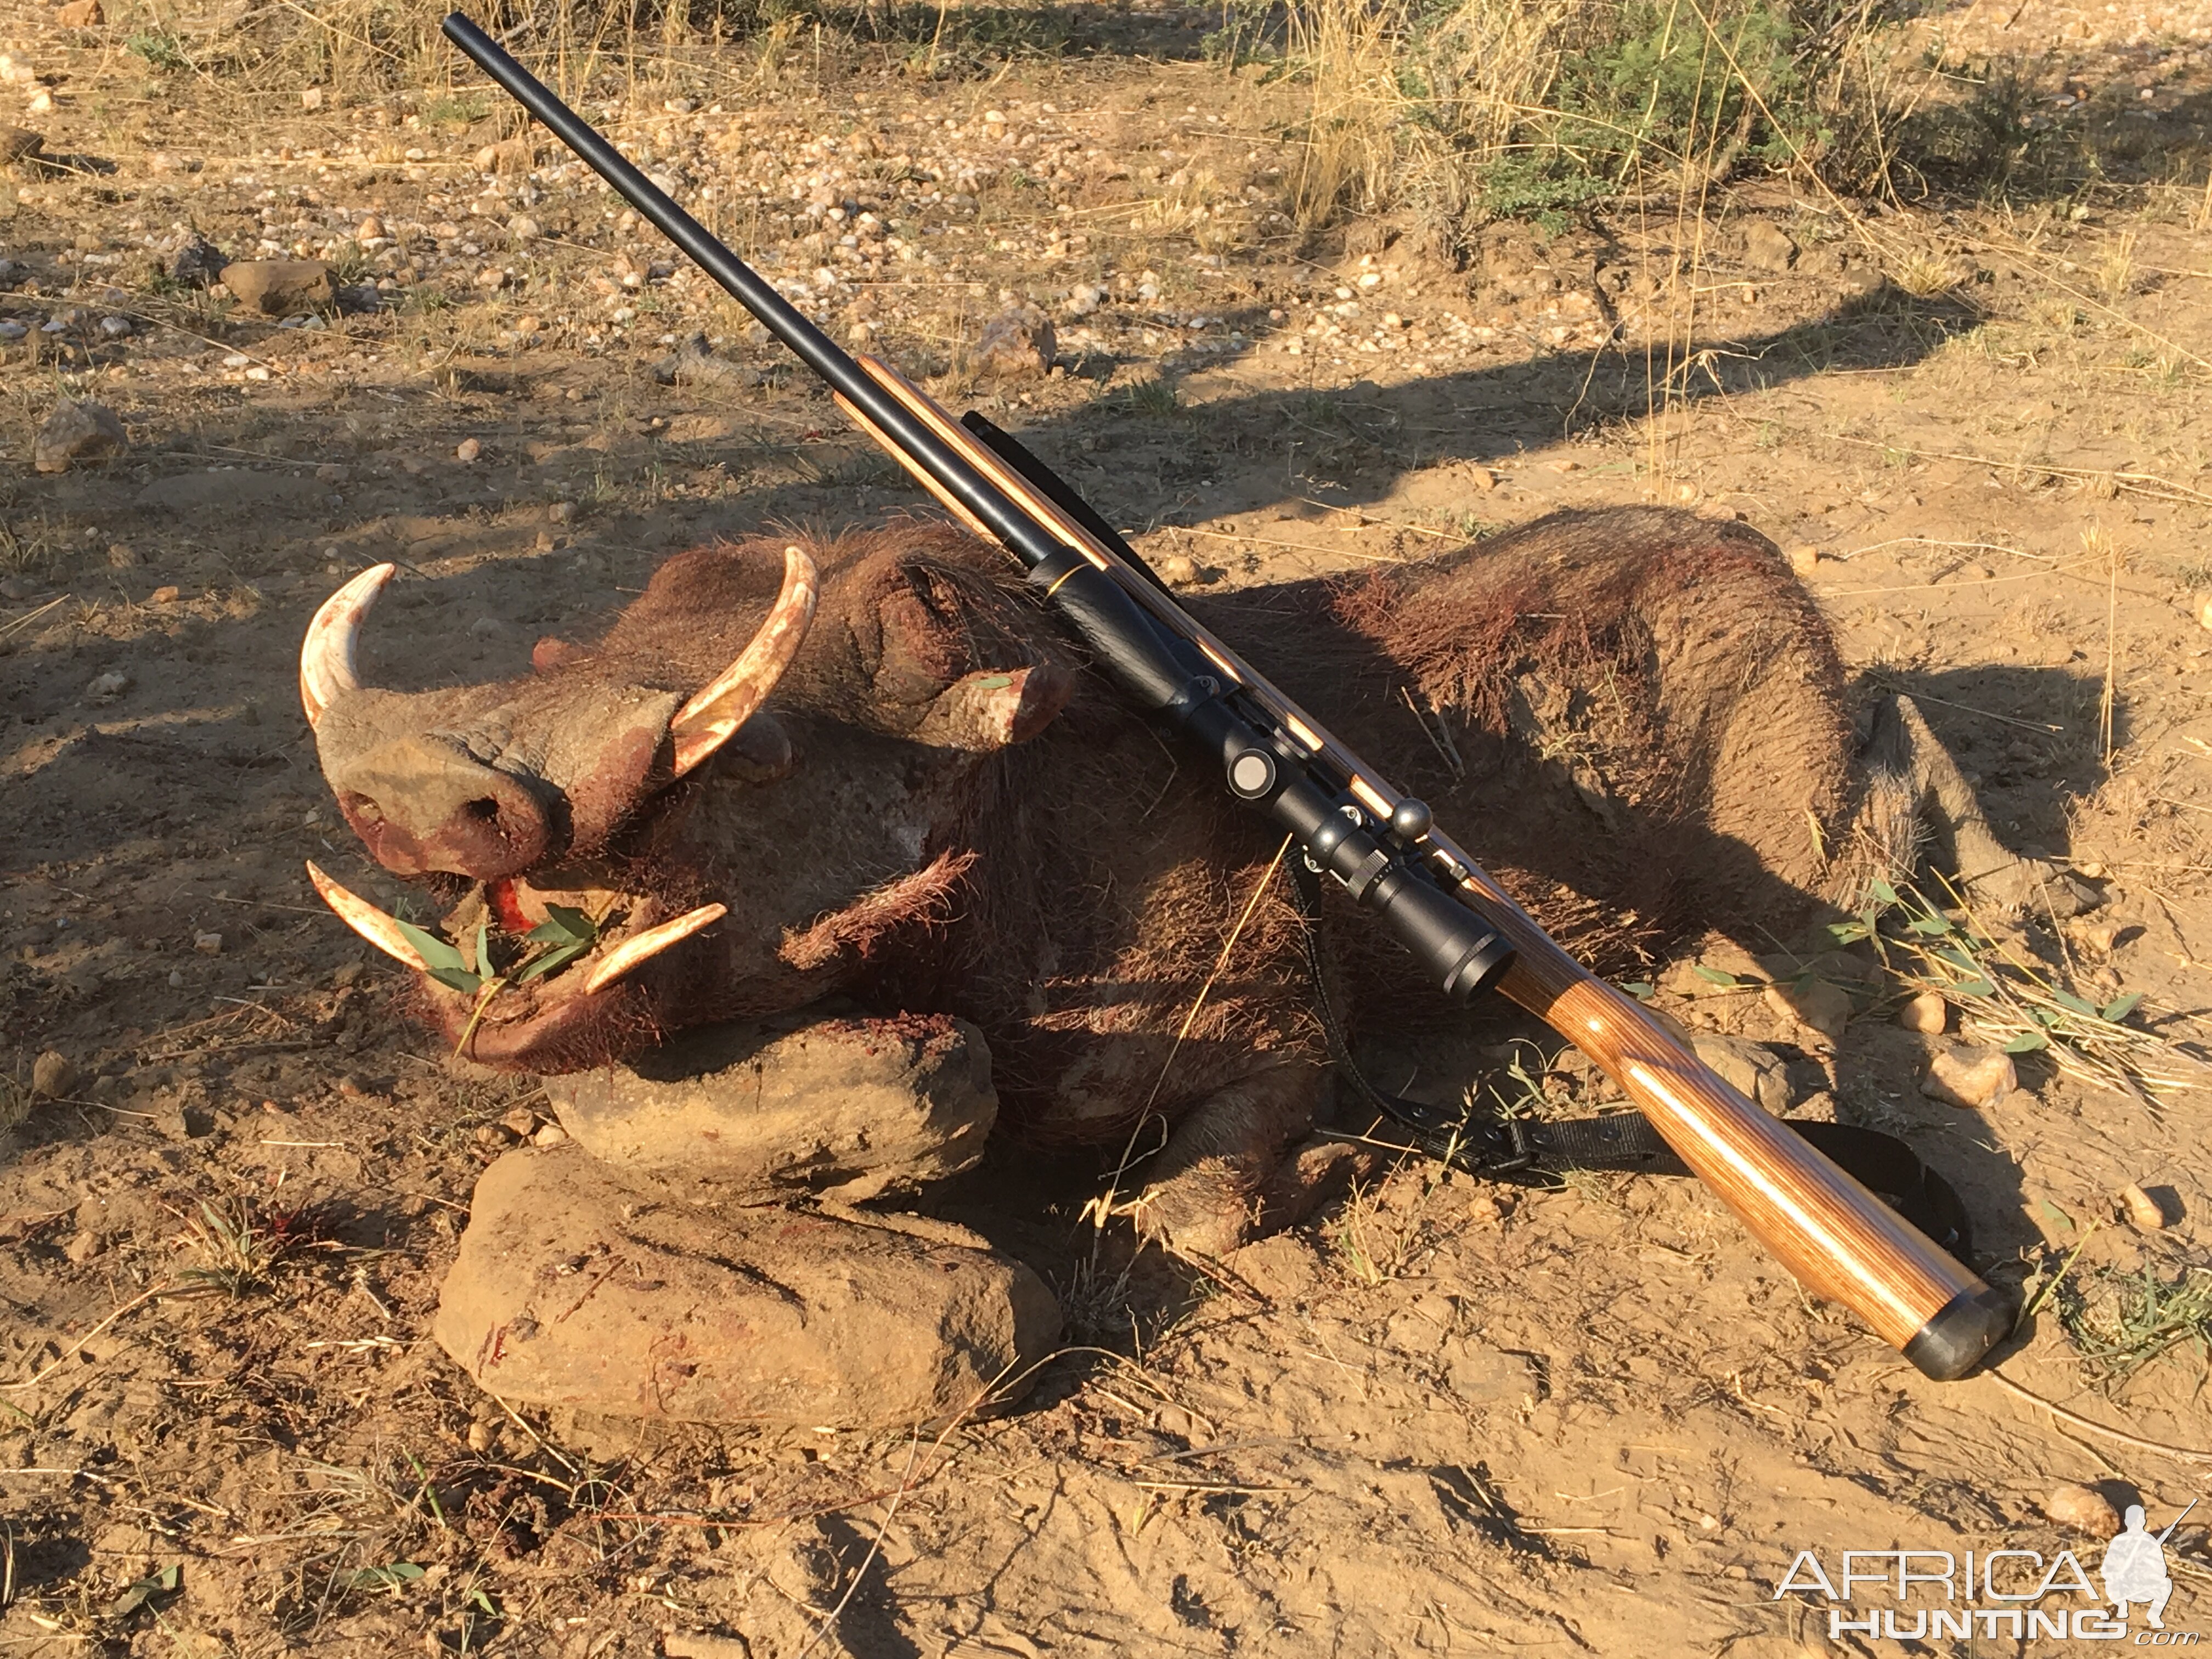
[1448,1416]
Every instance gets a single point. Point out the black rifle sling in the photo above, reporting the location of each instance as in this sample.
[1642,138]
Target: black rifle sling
[1510,1148]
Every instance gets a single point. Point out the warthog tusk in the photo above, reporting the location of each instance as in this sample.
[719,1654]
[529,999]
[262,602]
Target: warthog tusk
[365,918]
[708,721]
[327,669]
[649,944]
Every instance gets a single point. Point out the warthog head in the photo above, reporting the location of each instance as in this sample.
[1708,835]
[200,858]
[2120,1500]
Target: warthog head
[761,772]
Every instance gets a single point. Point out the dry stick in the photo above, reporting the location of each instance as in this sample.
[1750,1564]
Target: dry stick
[2179,1454]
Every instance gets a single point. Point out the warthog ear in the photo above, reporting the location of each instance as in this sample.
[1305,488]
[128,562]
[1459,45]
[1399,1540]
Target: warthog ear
[988,710]
[959,663]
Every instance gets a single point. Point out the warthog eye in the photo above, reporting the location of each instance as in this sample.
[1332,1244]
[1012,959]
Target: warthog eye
[485,809]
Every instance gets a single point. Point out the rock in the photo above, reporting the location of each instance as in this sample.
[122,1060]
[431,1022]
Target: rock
[207,944]
[1084,299]
[121,555]
[82,1247]
[1804,559]
[1176,571]
[550,1135]
[1818,1007]
[77,432]
[523,229]
[694,363]
[572,1289]
[1751,1069]
[106,688]
[80,14]
[1927,1012]
[53,1074]
[311,97]
[1976,1079]
[862,1106]
[2084,1509]
[279,288]
[1483,1376]
[1767,247]
[199,263]
[1482,479]
[2143,1210]
[467,450]
[1017,343]
[370,230]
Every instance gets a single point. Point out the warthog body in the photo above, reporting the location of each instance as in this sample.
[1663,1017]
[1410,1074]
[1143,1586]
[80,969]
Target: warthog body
[1637,719]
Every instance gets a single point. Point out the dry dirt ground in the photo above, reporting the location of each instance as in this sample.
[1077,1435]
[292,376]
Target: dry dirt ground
[1448,1417]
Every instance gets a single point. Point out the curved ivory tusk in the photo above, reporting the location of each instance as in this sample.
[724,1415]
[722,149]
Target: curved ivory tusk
[365,918]
[706,722]
[649,944]
[326,654]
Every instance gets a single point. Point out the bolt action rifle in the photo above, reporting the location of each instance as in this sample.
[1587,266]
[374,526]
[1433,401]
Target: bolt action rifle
[1831,1232]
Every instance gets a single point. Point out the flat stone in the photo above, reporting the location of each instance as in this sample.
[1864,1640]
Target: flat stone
[1017,343]
[575,1289]
[1975,1078]
[734,1113]
[80,14]
[1767,245]
[76,433]
[278,288]
[1751,1069]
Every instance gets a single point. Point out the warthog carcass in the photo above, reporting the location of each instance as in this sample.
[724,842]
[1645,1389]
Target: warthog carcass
[871,770]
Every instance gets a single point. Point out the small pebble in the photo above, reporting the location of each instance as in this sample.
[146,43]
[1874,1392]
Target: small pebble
[106,688]
[552,1134]
[1176,571]
[122,556]
[207,944]
[166,595]
[2141,1209]
[561,512]
[1804,558]
[83,1247]
[522,1122]
[1927,1012]
[467,451]
[2084,1509]
[52,1074]
[1975,1078]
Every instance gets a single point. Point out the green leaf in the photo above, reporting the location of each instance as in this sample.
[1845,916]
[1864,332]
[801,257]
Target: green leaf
[1714,976]
[1847,932]
[460,979]
[484,948]
[2057,1214]
[427,945]
[559,957]
[2044,1017]
[1977,987]
[2027,1042]
[386,1578]
[1642,990]
[1932,927]
[564,923]
[1882,891]
[2074,1004]
[137,1595]
[2120,1007]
